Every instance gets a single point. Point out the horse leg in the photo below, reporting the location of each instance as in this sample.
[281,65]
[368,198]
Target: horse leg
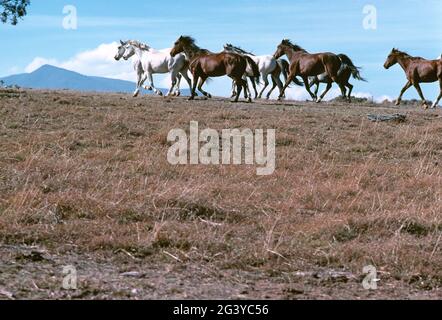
[137,89]
[350,87]
[327,89]
[143,80]
[177,92]
[193,90]
[440,95]
[233,89]
[239,85]
[405,88]
[252,79]
[247,93]
[150,78]
[173,78]
[266,84]
[315,81]
[275,84]
[140,81]
[421,95]
[343,90]
[307,86]
[289,80]
[186,77]
[200,87]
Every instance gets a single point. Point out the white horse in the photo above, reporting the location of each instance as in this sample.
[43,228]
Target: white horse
[267,65]
[150,61]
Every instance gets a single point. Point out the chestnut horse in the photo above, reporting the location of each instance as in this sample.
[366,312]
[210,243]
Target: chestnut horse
[205,64]
[348,69]
[417,70]
[307,65]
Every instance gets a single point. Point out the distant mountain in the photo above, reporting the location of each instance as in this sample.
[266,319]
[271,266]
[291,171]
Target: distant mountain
[50,77]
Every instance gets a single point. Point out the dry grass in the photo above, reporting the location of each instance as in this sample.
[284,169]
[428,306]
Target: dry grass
[90,171]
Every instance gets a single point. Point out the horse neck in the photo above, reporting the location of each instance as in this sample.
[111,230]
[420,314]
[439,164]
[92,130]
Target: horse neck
[140,53]
[193,52]
[290,53]
[404,61]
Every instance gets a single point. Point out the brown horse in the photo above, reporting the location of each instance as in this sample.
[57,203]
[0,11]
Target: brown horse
[417,70]
[348,70]
[205,64]
[307,65]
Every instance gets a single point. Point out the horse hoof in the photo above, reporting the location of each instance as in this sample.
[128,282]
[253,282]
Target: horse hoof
[209,96]
[397,103]
[178,94]
[191,98]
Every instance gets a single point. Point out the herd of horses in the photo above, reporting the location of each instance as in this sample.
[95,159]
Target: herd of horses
[241,66]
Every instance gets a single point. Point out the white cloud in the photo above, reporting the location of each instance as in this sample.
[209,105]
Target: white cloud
[96,62]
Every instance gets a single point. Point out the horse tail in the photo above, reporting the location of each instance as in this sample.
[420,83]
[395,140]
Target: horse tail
[297,82]
[285,67]
[347,63]
[255,69]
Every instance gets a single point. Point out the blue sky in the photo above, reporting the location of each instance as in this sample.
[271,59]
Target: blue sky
[259,25]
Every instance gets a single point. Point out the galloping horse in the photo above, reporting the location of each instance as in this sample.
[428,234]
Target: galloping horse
[417,70]
[347,70]
[205,64]
[267,65]
[150,61]
[307,65]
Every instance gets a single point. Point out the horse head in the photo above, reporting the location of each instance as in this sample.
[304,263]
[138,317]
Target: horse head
[281,49]
[121,50]
[392,58]
[181,44]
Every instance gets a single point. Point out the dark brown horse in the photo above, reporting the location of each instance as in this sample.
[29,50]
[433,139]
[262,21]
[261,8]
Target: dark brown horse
[348,70]
[205,64]
[307,65]
[418,70]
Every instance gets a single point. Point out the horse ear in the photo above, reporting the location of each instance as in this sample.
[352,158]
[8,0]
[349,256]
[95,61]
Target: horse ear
[122,43]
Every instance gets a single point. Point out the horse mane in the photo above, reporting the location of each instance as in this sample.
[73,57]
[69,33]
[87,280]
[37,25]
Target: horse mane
[406,55]
[139,45]
[292,45]
[189,42]
[238,49]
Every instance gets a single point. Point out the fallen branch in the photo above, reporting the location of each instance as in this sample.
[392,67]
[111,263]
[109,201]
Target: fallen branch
[382,118]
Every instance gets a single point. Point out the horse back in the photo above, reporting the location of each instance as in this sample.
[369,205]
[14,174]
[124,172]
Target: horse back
[313,64]
[424,70]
